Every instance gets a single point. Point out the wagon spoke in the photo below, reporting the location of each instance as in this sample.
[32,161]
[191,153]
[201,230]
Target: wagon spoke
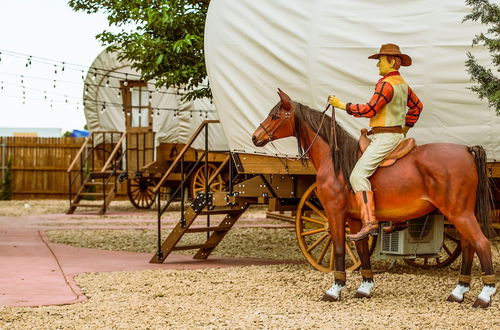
[315,231]
[351,253]
[438,261]
[446,249]
[317,242]
[454,239]
[315,209]
[323,252]
[331,263]
[309,219]
[426,261]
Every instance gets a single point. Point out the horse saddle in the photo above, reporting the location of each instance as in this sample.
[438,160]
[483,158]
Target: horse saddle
[401,150]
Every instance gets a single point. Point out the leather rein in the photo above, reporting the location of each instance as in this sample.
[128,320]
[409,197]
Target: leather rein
[333,132]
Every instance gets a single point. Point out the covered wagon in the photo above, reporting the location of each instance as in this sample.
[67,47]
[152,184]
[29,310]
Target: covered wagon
[312,49]
[137,131]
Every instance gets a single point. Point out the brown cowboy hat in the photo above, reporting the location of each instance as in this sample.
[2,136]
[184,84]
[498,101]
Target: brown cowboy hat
[392,49]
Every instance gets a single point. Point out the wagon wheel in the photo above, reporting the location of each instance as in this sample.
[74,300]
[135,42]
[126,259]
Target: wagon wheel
[198,182]
[314,238]
[140,192]
[449,253]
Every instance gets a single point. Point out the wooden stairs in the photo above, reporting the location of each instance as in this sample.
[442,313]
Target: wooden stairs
[203,205]
[97,192]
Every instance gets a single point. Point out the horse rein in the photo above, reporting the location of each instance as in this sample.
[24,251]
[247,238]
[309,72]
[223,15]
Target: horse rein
[333,132]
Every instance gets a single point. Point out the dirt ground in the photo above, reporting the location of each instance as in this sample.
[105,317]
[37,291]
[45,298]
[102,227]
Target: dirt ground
[264,297]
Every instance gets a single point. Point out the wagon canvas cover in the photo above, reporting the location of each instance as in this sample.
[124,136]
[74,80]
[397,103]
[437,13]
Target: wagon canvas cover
[174,122]
[315,48]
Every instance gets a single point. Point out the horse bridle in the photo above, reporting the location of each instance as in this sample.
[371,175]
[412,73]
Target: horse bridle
[270,134]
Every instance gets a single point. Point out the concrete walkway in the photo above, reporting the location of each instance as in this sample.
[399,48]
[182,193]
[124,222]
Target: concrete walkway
[34,272]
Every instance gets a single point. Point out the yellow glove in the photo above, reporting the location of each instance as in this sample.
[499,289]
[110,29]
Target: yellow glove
[336,102]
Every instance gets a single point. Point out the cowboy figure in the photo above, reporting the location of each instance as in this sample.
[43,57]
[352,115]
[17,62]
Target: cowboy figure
[389,122]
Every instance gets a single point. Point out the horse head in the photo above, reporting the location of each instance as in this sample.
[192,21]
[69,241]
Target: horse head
[279,123]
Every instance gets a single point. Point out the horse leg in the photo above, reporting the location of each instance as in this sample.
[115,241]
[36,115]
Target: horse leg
[469,228]
[463,286]
[367,283]
[336,218]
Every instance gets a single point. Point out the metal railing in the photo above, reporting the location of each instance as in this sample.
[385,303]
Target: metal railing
[186,172]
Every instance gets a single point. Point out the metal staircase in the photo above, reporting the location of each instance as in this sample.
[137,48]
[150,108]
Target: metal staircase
[97,184]
[205,204]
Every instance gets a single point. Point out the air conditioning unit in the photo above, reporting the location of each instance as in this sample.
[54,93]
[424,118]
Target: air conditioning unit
[424,236]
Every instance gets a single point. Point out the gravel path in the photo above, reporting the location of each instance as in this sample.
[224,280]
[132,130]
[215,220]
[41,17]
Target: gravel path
[271,297]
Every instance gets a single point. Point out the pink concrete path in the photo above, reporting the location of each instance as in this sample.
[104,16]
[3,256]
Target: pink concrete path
[35,272]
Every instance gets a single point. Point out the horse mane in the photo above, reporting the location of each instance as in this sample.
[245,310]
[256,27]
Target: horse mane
[347,156]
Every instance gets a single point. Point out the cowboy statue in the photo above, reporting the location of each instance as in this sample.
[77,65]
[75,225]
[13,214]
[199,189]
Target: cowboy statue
[389,122]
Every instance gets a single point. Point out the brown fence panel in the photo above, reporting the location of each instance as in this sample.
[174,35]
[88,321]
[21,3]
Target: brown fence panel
[39,165]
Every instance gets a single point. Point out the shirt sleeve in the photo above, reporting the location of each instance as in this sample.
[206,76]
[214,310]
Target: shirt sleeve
[415,108]
[383,95]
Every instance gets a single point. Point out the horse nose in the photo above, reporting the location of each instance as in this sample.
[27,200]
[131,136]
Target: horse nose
[254,139]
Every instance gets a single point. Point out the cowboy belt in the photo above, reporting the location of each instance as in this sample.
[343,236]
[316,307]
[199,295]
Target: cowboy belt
[388,129]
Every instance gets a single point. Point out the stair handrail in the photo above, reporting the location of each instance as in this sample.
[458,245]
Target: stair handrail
[78,154]
[182,152]
[115,150]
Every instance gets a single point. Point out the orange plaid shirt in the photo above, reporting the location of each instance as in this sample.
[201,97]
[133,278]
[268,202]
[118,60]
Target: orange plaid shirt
[383,95]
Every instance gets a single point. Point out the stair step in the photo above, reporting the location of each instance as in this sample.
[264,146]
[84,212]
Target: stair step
[85,205]
[192,247]
[206,229]
[225,211]
[100,174]
[98,183]
[91,194]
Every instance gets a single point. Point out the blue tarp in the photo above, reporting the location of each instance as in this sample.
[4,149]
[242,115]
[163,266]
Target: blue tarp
[78,133]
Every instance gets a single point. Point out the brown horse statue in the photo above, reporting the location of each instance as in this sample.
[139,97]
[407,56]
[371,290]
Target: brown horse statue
[448,177]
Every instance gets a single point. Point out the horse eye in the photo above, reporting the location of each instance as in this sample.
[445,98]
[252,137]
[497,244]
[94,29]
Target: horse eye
[274,117]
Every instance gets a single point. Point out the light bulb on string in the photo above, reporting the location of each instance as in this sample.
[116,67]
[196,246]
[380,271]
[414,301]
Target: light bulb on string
[65,99]
[86,89]
[62,68]
[119,93]
[190,114]
[125,83]
[157,112]
[55,69]
[107,81]
[83,75]
[94,75]
[45,94]
[54,83]
[28,62]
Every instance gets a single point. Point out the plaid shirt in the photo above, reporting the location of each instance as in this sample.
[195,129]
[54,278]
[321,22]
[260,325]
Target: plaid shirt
[383,95]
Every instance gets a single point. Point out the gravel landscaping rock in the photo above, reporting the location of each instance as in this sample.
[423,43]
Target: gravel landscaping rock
[270,297]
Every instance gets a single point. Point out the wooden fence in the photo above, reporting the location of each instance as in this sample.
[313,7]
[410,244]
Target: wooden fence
[38,165]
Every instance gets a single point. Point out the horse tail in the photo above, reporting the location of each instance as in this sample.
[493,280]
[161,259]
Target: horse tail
[484,197]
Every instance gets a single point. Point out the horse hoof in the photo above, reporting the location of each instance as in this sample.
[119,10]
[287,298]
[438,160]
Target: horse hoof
[361,295]
[452,298]
[481,303]
[328,298]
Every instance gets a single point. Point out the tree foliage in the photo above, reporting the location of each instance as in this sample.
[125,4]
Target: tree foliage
[163,38]
[488,84]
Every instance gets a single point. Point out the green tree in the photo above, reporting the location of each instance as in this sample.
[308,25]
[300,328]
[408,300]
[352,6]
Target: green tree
[488,84]
[163,38]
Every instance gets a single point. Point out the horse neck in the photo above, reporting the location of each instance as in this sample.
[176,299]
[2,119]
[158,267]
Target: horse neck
[319,152]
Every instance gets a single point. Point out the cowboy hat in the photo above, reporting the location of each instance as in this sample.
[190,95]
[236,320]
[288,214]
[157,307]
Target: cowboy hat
[393,50]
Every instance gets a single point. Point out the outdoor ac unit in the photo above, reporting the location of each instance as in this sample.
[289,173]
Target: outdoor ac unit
[424,236]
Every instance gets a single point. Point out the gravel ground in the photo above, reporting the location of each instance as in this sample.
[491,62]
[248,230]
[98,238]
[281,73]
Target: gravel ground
[270,297]
[239,242]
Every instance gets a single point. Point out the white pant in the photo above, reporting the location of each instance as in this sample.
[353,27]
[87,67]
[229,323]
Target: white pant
[382,144]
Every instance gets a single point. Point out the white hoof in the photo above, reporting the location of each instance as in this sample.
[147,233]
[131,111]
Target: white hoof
[334,293]
[457,295]
[365,289]
[484,298]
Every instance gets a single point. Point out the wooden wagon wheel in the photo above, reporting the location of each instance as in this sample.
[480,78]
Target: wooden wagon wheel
[140,192]
[449,253]
[314,237]
[198,181]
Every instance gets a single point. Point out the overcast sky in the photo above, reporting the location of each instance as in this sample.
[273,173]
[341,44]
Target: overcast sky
[50,30]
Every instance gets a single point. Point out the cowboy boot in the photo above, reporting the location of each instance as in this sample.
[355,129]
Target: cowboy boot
[370,223]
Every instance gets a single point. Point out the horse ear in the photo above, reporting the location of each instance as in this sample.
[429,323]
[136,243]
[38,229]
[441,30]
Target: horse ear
[286,101]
